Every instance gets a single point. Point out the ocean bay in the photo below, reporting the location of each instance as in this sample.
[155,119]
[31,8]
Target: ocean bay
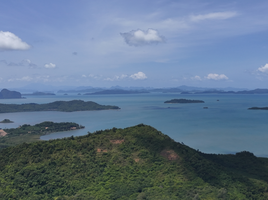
[225,127]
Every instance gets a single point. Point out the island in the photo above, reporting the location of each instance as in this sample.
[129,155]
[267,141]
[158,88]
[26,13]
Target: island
[133,163]
[39,93]
[184,101]
[118,91]
[7,94]
[6,121]
[63,106]
[27,133]
[258,108]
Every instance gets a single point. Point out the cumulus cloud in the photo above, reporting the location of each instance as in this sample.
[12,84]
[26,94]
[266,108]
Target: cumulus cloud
[198,78]
[138,76]
[263,69]
[216,77]
[141,38]
[9,41]
[50,65]
[211,16]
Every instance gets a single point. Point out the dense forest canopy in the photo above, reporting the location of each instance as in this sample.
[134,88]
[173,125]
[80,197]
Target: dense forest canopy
[132,163]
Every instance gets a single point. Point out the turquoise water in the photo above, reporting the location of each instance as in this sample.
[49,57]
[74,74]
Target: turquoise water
[225,127]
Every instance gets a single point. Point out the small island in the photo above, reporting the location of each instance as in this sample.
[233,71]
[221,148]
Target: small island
[6,121]
[258,108]
[184,101]
[63,106]
[27,133]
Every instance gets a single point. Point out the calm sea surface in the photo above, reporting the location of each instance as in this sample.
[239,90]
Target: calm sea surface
[225,127]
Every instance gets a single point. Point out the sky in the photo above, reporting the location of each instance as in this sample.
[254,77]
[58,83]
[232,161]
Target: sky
[159,43]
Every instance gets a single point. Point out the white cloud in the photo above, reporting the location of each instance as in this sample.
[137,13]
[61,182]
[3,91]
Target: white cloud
[198,78]
[116,78]
[50,65]
[216,77]
[138,76]
[263,69]
[9,41]
[212,16]
[141,38]
[25,62]
[25,78]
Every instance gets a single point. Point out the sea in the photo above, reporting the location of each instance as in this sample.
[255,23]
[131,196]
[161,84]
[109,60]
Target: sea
[225,127]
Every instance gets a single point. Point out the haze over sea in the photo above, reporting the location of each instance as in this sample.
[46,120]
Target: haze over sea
[227,126]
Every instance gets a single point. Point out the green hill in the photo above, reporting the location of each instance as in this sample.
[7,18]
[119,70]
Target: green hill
[132,163]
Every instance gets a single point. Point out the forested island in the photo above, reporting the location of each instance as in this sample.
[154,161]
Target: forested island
[63,106]
[133,163]
[258,108]
[27,133]
[184,101]
[7,94]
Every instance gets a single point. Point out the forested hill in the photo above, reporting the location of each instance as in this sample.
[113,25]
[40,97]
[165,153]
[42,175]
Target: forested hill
[132,163]
[64,106]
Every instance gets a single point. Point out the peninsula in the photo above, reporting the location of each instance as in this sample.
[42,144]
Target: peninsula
[184,101]
[27,133]
[63,106]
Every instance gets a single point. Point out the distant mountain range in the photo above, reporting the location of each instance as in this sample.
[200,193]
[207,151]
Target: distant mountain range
[117,91]
[133,90]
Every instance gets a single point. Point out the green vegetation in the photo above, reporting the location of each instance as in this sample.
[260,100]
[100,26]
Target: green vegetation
[27,133]
[6,121]
[132,163]
[184,101]
[64,106]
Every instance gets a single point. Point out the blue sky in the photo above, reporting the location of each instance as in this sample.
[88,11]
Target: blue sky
[163,43]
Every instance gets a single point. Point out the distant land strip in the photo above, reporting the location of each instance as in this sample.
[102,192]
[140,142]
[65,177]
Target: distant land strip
[117,92]
[184,101]
[63,106]
[258,108]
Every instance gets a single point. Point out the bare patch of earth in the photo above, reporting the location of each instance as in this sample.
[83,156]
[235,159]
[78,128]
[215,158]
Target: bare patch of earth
[117,141]
[2,133]
[169,154]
